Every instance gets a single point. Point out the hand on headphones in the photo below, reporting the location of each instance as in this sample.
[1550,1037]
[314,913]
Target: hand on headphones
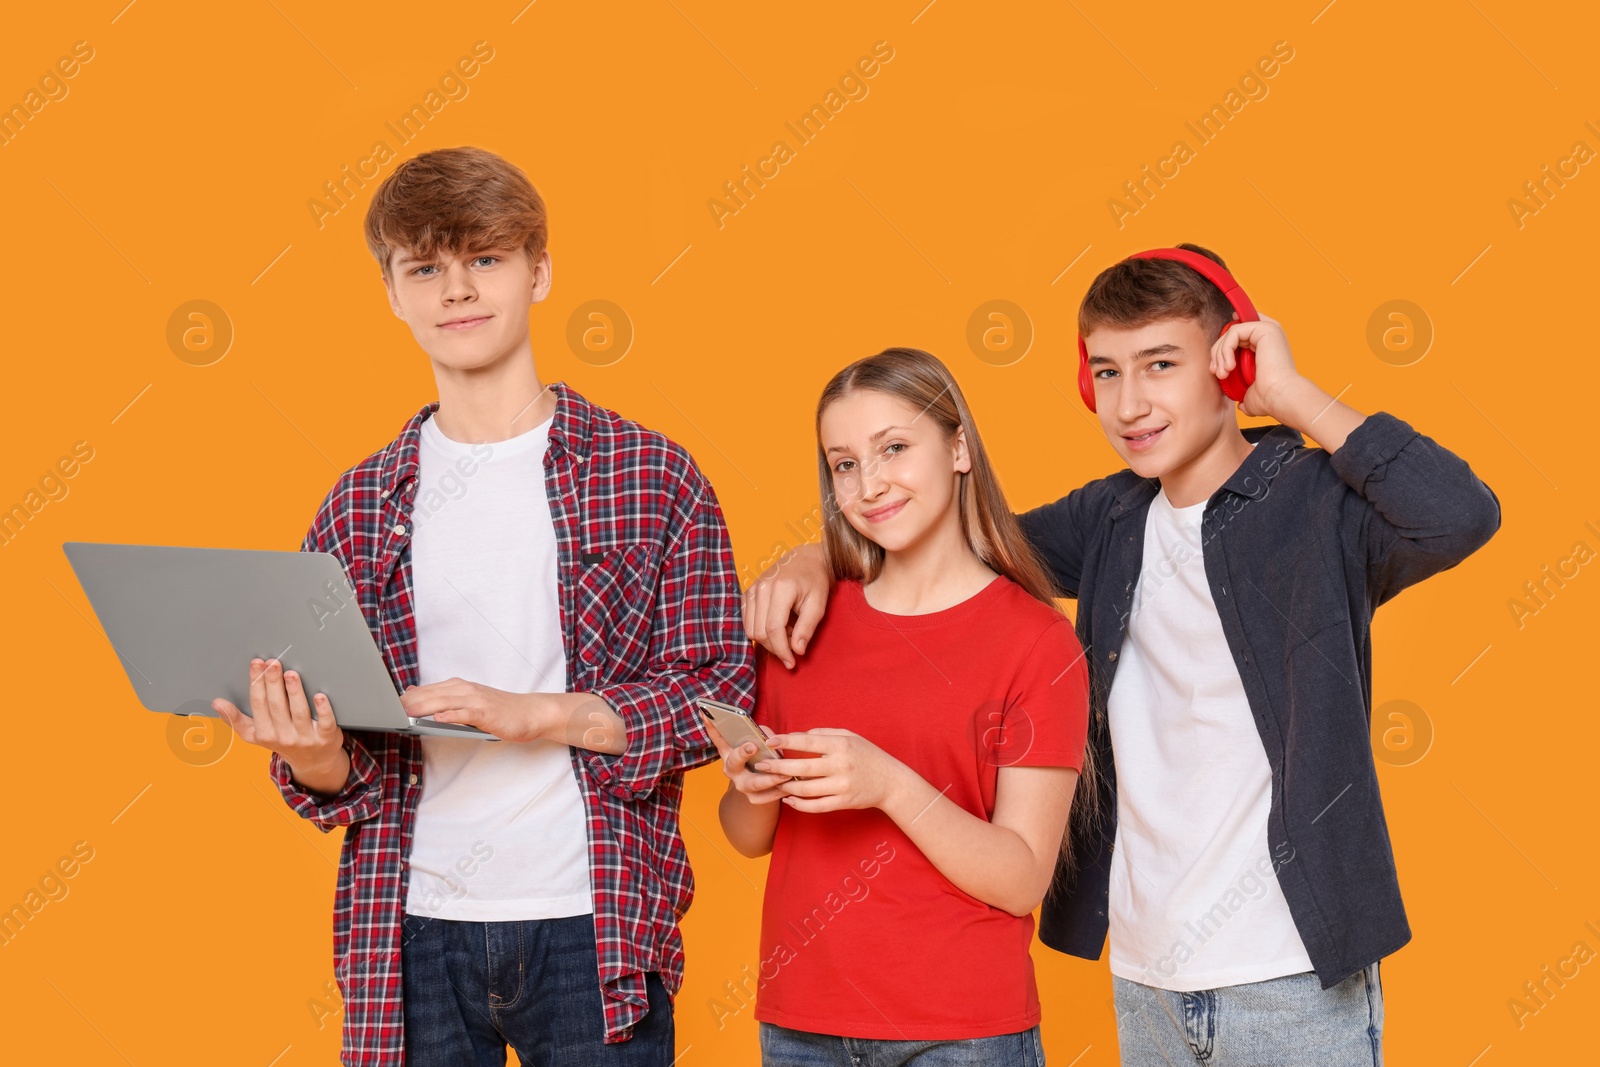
[1274,365]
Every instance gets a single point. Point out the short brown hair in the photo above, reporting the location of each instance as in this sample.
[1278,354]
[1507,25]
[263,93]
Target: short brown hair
[458,200]
[1137,292]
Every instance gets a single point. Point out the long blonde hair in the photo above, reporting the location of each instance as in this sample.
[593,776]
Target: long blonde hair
[987,522]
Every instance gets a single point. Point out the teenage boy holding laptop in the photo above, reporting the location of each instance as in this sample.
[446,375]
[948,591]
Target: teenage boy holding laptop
[537,566]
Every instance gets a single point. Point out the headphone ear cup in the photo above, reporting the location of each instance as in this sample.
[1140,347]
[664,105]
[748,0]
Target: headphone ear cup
[1247,366]
[1085,379]
[1243,375]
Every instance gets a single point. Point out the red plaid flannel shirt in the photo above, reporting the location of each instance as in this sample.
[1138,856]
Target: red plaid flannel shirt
[650,617]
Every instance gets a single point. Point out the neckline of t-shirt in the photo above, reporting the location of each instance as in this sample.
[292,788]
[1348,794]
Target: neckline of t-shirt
[856,597]
[1190,514]
[511,446]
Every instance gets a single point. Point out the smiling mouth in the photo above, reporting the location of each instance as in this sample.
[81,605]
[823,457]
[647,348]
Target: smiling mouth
[1144,440]
[879,514]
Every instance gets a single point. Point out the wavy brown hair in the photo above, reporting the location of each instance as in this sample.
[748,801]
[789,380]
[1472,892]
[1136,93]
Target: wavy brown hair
[455,200]
[987,521]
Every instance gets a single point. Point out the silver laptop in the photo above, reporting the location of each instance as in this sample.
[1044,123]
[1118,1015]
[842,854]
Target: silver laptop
[185,622]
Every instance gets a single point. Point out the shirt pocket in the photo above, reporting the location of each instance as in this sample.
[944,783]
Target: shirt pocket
[1305,589]
[614,595]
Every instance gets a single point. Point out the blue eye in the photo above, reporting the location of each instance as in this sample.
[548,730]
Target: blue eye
[1101,374]
[494,259]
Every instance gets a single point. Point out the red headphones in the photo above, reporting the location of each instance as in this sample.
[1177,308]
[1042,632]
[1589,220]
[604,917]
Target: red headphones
[1244,371]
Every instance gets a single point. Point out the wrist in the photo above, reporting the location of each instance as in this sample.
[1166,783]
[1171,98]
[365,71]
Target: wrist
[906,795]
[1296,402]
[537,716]
[326,776]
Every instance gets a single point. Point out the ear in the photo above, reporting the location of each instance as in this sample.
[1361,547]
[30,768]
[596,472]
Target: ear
[543,270]
[394,299]
[963,459]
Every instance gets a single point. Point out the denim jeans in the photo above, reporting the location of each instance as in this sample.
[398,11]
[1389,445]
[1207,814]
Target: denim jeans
[1281,1021]
[471,988]
[782,1047]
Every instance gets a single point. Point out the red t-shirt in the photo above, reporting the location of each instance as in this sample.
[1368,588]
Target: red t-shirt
[861,936]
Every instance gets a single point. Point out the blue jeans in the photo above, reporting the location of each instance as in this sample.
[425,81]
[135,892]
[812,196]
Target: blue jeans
[471,988]
[1281,1021]
[782,1047]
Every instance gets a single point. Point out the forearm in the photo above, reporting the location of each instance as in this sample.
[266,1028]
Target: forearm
[324,780]
[582,720]
[1306,407]
[990,862]
[749,827]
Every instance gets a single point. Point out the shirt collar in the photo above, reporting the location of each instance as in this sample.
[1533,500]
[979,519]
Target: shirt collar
[1250,480]
[571,430]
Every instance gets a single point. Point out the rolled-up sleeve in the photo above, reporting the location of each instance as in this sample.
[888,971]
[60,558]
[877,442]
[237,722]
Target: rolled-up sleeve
[361,796]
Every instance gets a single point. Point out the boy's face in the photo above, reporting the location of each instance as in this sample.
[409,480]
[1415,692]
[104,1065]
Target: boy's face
[1159,404]
[468,310]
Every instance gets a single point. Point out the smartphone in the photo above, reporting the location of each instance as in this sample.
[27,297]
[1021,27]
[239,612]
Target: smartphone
[737,728]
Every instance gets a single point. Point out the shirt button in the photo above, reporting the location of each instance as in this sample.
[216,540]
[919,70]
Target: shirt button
[412,779]
[384,495]
[400,529]
[1112,657]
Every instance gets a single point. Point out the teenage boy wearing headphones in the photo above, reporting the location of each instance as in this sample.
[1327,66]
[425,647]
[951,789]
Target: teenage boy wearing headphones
[1226,581]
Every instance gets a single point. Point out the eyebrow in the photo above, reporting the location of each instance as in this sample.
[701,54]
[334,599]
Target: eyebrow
[1143,353]
[874,439]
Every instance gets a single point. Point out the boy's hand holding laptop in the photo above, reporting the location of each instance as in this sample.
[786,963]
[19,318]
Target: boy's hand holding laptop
[281,721]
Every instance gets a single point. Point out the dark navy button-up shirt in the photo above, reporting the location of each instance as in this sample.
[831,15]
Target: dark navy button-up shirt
[1300,546]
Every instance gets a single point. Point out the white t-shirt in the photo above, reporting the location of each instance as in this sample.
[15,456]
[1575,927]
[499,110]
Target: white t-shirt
[1194,902]
[500,830]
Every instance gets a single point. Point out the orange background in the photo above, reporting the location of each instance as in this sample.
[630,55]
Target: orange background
[978,167]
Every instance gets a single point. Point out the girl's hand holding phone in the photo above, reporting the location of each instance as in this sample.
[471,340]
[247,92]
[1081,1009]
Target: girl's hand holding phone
[758,788]
[848,771]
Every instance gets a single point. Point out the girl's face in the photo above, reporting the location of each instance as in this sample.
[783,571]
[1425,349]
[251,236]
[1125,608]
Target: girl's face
[894,474]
